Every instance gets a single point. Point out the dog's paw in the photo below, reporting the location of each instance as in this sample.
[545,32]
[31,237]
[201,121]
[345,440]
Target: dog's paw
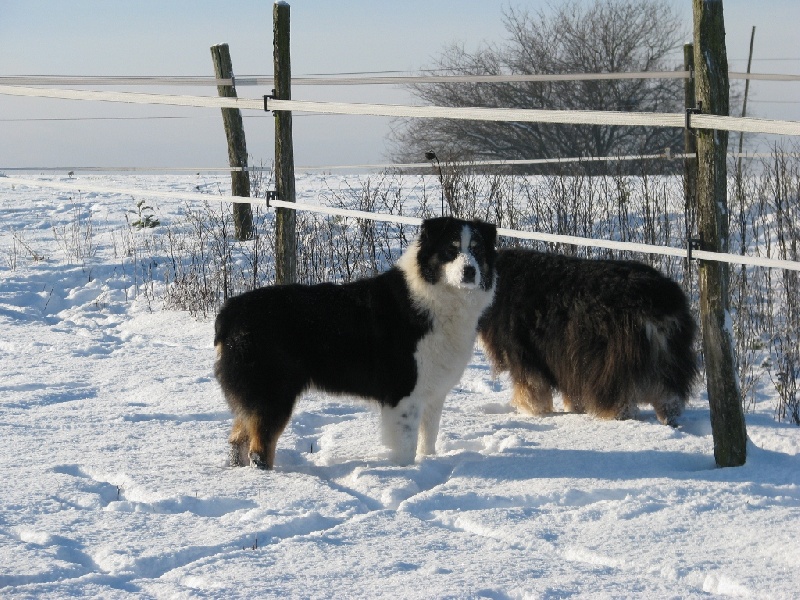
[258,462]
[402,459]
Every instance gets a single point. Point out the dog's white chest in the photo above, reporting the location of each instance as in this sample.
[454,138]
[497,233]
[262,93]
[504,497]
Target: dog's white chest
[443,354]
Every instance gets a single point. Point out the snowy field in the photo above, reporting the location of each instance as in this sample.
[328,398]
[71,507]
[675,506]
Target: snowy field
[113,459]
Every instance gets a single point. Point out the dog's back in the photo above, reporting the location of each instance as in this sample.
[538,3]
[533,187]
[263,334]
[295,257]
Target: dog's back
[607,334]
[260,341]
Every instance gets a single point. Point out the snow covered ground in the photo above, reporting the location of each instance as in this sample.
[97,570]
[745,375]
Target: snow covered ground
[114,479]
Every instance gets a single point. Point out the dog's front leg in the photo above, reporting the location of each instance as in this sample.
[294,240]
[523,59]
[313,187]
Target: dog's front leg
[429,426]
[400,429]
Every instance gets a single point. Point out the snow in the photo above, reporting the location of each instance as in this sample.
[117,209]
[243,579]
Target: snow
[113,454]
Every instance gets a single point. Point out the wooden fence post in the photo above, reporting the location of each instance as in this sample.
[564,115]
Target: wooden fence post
[285,219]
[237,147]
[689,147]
[744,107]
[712,89]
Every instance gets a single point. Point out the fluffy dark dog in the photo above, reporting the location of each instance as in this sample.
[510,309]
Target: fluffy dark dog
[402,339]
[607,334]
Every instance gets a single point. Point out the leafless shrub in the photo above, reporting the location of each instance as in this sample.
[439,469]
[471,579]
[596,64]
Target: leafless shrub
[343,248]
[19,248]
[785,195]
[765,221]
[204,264]
[75,238]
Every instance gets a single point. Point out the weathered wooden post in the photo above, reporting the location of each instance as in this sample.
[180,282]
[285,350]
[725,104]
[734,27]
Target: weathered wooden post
[237,147]
[712,89]
[689,147]
[285,219]
[744,105]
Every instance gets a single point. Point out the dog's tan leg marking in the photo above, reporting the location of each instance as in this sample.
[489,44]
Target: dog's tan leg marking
[572,404]
[532,395]
[239,443]
[264,440]
[258,451]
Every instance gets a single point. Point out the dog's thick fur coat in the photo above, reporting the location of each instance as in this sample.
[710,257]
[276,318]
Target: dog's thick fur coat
[607,334]
[402,339]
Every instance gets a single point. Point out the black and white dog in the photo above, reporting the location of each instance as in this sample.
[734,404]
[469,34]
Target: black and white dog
[402,338]
[607,334]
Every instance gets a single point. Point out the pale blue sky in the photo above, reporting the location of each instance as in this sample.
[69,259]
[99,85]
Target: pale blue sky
[148,37]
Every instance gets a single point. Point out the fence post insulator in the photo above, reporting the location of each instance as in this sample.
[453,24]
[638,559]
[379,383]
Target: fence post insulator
[697,110]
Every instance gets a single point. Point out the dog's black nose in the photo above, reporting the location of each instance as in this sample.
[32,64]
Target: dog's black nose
[469,274]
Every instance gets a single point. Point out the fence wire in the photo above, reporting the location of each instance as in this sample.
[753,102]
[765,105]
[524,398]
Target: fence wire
[267,81]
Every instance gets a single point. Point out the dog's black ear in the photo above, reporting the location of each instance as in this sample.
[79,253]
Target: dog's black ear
[434,228]
[488,232]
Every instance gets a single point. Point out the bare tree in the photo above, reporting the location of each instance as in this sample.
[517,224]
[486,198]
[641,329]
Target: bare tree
[607,36]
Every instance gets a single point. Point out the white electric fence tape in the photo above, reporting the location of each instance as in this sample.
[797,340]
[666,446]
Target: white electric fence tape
[526,235]
[568,117]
